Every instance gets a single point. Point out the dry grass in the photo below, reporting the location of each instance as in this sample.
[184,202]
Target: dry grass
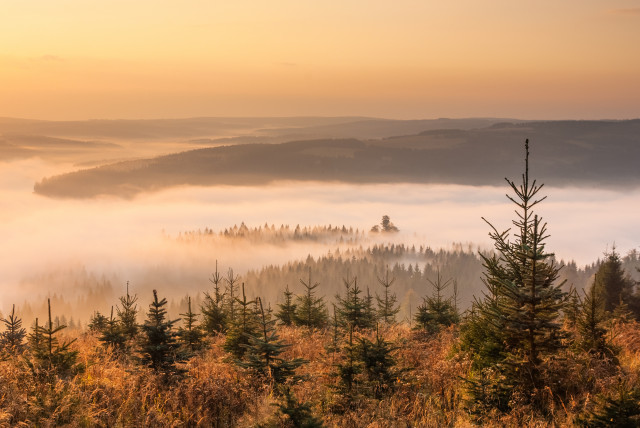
[111,391]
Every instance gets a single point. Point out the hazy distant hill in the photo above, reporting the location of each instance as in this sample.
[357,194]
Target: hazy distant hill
[584,153]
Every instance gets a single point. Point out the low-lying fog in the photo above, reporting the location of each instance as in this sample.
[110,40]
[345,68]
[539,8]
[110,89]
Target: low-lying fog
[128,240]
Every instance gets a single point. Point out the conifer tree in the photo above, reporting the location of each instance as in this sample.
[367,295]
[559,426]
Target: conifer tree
[298,414]
[387,304]
[311,311]
[97,322]
[378,363]
[127,315]
[436,311]
[112,335]
[590,322]
[521,310]
[347,372]
[621,410]
[12,339]
[231,294]
[243,327]
[615,285]
[263,352]
[159,348]
[352,308]
[48,351]
[286,314]
[191,336]
[214,319]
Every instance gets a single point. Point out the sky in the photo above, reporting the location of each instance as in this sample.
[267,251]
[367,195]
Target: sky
[407,59]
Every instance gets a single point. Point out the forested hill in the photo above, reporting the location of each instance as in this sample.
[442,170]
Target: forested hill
[580,153]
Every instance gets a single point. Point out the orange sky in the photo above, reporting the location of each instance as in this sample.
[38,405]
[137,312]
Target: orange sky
[78,59]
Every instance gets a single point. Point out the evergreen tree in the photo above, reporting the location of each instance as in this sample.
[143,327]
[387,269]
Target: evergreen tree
[49,353]
[159,348]
[263,352]
[287,311]
[191,336]
[520,312]
[298,414]
[310,310]
[616,286]
[127,316]
[12,339]
[387,225]
[354,310]
[387,304]
[347,373]
[97,322]
[214,318]
[231,295]
[590,322]
[572,309]
[112,335]
[378,364]
[242,328]
[436,312]
[621,410]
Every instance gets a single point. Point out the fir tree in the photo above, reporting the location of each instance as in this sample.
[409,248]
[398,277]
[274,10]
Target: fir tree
[263,352]
[231,295]
[590,322]
[287,311]
[436,312]
[387,304]
[298,414]
[242,328]
[12,339]
[112,335]
[347,373]
[621,410]
[214,318]
[191,336]
[97,322]
[616,286]
[127,315]
[352,308]
[378,364]
[48,351]
[311,311]
[520,312]
[159,348]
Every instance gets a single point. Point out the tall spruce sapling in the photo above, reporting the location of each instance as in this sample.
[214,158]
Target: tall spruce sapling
[387,304]
[214,318]
[49,353]
[522,306]
[353,309]
[113,335]
[591,322]
[190,334]
[243,327]
[436,311]
[97,322]
[262,352]
[12,339]
[298,414]
[378,364]
[128,315]
[159,348]
[615,285]
[231,296]
[311,311]
[286,314]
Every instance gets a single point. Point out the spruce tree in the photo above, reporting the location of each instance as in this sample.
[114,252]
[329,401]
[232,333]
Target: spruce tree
[378,364]
[243,327]
[387,304]
[112,335]
[352,308]
[190,334]
[214,319]
[590,322]
[159,348]
[286,314]
[263,351]
[231,294]
[616,286]
[12,339]
[436,311]
[521,310]
[127,315]
[97,322]
[311,311]
[48,351]
[298,414]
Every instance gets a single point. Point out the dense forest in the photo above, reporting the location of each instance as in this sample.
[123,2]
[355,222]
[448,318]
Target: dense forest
[339,344]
